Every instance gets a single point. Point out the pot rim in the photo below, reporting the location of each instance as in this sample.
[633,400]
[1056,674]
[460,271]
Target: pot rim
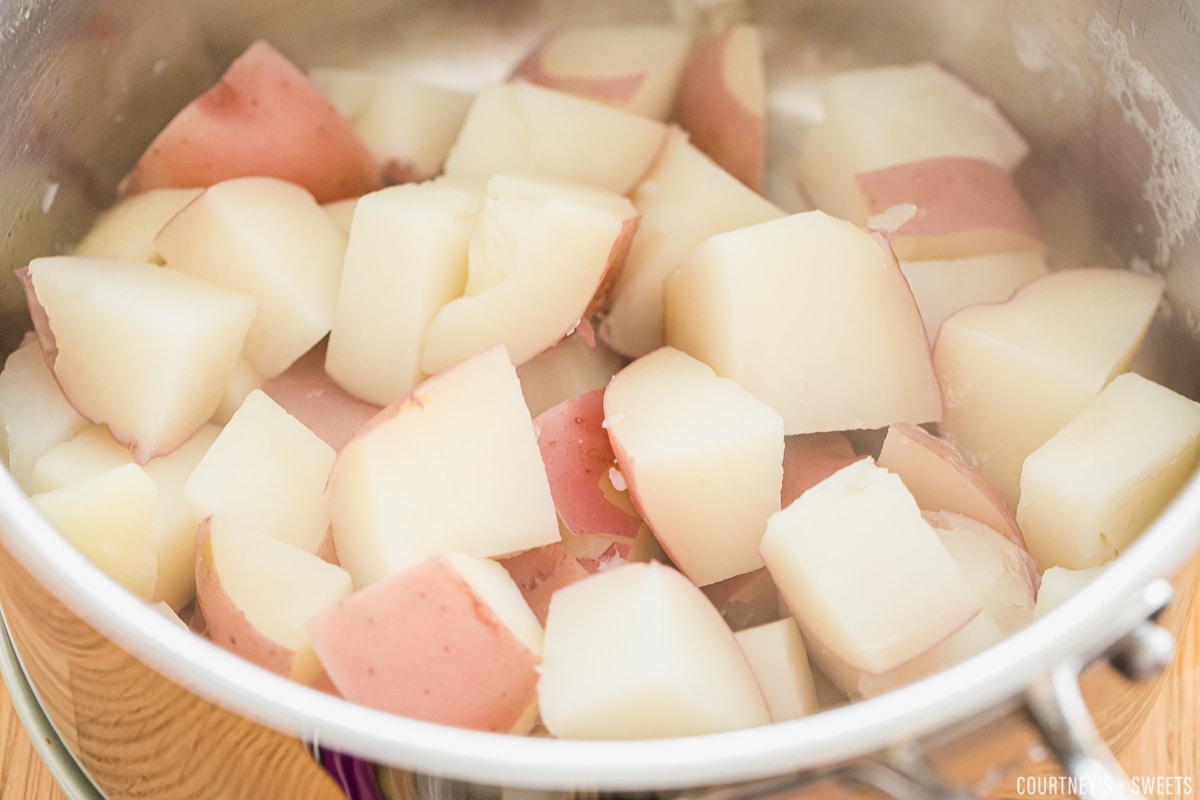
[1075,632]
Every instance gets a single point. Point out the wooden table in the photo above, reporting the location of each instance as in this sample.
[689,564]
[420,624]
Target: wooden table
[1168,745]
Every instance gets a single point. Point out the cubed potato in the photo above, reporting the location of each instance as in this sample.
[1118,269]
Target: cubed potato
[722,101]
[948,208]
[267,472]
[307,392]
[881,116]
[94,451]
[127,229]
[454,465]
[635,67]
[809,458]
[269,239]
[859,357]
[1002,572]
[406,258]
[570,368]
[539,262]
[943,287]
[685,198]
[541,572]
[520,127]
[257,594]
[638,652]
[109,518]
[142,349]
[34,413]
[863,572]
[265,117]
[580,464]
[1013,373]
[777,655]
[407,125]
[1059,584]
[447,640]
[702,458]
[942,479]
[1089,491]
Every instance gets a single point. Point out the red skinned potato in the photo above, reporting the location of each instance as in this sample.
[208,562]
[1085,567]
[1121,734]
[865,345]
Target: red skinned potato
[944,208]
[256,594]
[306,391]
[100,324]
[809,458]
[580,464]
[542,571]
[633,67]
[265,117]
[449,640]
[722,102]
[942,479]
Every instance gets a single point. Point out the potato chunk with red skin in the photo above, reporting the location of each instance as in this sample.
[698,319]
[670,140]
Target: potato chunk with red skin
[579,462]
[427,643]
[265,117]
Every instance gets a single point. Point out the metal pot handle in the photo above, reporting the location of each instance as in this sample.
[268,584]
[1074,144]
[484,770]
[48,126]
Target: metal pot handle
[1056,707]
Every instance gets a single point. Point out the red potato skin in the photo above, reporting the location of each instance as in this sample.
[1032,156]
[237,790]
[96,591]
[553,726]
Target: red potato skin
[964,198]
[578,456]
[264,117]
[616,90]
[421,644]
[306,391]
[1001,519]
[719,125]
[809,458]
[37,314]
[541,572]
[617,257]
[224,624]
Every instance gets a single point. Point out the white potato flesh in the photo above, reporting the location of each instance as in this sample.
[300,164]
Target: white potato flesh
[536,260]
[127,230]
[639,652]
[1089,491]
[1013,373]
[523,128]
[267,472]
[34,414]
[452,466]
[942,479]
[972,639]
[1003,573]
[813,317]
[268,238]
[1059,584]
[109,518]
[257,594]
[142,349]
[943,287]
[863,572]
[568,369]
[406,258]
[93,451]
[777,655]
[410,126]
[685,198]
[631,66]
[879,117]
[702,458]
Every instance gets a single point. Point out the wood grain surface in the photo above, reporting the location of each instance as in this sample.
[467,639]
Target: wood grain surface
[1167,748]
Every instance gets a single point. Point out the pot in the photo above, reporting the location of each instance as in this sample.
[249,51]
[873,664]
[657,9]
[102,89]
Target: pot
[1105,92]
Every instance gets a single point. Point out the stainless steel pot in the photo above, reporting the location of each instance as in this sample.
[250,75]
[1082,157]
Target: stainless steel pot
[1106,92]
